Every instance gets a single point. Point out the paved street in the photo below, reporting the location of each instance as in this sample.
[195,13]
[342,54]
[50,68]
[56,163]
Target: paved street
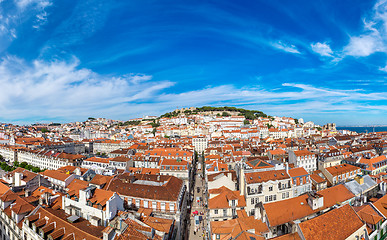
[200,207]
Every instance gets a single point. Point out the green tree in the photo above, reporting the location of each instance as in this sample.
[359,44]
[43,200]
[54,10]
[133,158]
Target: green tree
[296,120]
[225,114]
[23,165]
[246,122]
[44,130]
[36,169]
[16,164]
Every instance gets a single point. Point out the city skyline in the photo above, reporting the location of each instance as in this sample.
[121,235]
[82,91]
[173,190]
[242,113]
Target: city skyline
[323,61]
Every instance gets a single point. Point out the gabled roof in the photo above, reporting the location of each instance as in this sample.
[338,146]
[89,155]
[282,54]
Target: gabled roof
[291,209]
[235,227]
[78,230]
[369,215]
[341,169]
[221,201]
[381,205]
[160,224]
[337,224]
[166,188]
[258,163]
[55,174]
[264,176]
[27,175]
[296,172]
[214,176]
[290,236]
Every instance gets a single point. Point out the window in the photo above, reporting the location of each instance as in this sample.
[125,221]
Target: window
[233,203]
[154,205]
[224,212]
[271,188]
[252,200]
[217,236]
[216,211]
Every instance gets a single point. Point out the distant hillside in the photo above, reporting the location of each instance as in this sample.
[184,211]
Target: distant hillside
[223,111]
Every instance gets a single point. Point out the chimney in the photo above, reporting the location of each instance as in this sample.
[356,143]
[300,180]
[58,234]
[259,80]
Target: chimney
[287,168]
[108,233]
[359,179]
[27,193]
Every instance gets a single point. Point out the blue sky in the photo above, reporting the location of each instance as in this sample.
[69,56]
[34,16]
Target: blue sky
[324,61]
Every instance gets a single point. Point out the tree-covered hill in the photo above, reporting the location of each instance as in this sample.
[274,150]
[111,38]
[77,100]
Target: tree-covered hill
[249,114]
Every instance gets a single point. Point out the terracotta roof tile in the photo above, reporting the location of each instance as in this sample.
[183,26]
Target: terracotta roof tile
[337,224]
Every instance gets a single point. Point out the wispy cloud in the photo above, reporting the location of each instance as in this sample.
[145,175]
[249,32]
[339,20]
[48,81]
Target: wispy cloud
[290,48]
[17,13]
[63,90]
[322,48]
[87,17]
[373,37]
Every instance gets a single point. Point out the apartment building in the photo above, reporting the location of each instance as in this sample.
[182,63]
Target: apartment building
[303,158]
[224,203]
[176,168]
[301,181]
[9,153]
[200,144]
[59,181]
[13,210]
[96,205]
[44,223]
[282,216]
[373,166]
[44,159]
[165,195]
[107,146]
[329,158]
[265,187]
[341,173]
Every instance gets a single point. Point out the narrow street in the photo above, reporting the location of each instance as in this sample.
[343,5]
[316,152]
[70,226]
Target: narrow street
[198,231]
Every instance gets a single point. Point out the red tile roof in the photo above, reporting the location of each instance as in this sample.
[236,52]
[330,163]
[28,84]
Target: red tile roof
[337,224]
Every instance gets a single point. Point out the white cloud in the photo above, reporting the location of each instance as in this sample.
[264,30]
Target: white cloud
[20,12]
[365,45]
[383,69]
[322,48]
[23,4]
[63,90]
[374,35]
[286,47]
